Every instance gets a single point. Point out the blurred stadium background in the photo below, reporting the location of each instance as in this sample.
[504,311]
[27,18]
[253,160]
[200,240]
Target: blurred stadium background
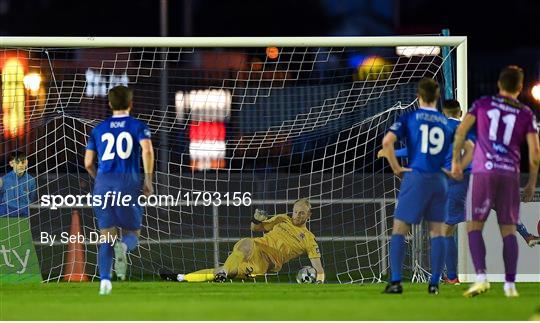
[305,78]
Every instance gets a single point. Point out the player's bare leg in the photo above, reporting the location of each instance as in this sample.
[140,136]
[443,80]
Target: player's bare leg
[121,248]
[448,232]
[478,253]
[105,254]
[510,256]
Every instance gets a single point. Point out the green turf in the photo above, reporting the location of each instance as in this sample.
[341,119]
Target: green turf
[238,301]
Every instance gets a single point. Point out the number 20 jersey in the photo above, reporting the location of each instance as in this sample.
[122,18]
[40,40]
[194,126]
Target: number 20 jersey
[116,141]
[428,137]
[502,125]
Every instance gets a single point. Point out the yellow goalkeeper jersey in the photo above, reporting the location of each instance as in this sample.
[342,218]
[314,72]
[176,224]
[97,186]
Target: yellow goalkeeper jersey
[284,241]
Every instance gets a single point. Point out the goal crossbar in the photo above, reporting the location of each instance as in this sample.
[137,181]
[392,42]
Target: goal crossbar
[379,41]
[460,42]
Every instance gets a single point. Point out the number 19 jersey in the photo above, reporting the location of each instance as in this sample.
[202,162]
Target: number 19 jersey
[428,138]
[116,141]
[423,192]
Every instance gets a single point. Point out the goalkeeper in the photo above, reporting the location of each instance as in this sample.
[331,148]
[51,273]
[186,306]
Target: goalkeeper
[285,238]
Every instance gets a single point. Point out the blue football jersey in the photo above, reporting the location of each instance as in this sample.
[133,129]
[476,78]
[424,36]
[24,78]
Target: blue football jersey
[428,137]
[454,124]
[116,141]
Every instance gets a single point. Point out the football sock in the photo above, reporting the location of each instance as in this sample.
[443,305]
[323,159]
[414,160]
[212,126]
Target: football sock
[508,286]
[450,257]
[437,259]
[523,230]
[481,278]
[202,275]
[478,251]
[131,240]
[397,256]
[105,257]
[510,255]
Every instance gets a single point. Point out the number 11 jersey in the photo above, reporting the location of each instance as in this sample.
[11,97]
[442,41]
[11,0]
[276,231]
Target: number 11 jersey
[502,125]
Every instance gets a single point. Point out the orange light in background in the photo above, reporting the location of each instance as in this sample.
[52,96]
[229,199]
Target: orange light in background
[374,68]
[535,92]
[13,97]
[272,52]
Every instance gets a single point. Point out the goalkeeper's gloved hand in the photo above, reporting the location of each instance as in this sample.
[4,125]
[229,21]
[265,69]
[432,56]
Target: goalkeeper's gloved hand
[259,216]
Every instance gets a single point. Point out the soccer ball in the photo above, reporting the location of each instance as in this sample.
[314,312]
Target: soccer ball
[306,275]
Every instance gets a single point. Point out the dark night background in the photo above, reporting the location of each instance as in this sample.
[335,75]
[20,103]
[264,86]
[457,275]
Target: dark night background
[315,163]
[489,26]
[498,34]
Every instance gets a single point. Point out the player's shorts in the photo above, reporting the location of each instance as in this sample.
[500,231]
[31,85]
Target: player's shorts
[257,263]
[457,196]
[489,191]
[422,196]
[126,217]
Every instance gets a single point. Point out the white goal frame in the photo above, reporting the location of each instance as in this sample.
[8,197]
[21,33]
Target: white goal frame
[459,42]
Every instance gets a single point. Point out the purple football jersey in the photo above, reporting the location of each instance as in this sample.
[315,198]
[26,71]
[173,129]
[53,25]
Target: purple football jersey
[502,125]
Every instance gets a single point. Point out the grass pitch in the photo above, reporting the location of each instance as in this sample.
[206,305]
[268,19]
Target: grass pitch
[238,301]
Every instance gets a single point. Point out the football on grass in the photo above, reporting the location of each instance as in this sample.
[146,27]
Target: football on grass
[306,275]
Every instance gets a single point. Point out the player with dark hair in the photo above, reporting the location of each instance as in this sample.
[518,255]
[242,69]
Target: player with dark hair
[502,125]
[423,192]
[17,188]
[119,142]
[457,191]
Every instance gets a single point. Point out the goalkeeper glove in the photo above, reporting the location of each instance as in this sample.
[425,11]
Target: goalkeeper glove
[259,216]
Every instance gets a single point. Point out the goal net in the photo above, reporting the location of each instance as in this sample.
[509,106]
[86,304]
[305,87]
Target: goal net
[238,124]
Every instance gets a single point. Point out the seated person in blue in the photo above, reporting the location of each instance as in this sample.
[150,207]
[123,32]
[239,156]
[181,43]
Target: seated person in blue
[17,188]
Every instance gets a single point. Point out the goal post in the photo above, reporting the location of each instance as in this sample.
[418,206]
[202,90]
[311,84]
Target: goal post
[279,117]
